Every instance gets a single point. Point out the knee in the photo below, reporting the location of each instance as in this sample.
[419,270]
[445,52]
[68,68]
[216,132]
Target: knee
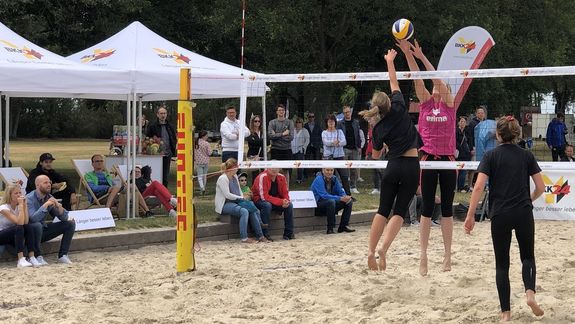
[244,213]
[330,205]
[71,225]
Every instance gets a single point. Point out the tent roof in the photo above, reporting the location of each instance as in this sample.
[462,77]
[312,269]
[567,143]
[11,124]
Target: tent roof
[28,70]
[155,64]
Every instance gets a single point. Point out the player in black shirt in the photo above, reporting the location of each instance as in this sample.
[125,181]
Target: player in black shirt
[400,179]
[508,168]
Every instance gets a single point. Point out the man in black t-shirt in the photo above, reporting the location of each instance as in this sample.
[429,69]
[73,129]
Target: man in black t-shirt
[162,129]
[351,129]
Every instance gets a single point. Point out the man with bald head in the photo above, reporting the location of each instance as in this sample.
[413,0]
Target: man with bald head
[162,129]
[41,204]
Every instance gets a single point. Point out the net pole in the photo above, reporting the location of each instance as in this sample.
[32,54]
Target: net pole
[264,127]
[185,219]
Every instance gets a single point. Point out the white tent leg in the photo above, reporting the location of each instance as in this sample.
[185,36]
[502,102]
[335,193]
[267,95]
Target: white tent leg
[127,153]
[7,132]
[243,114]
[264,127]
[140,138]
[132,182]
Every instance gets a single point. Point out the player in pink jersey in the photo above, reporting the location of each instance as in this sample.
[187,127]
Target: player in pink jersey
[437,120]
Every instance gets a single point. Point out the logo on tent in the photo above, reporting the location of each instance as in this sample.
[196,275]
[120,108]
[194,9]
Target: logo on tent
[555,191]
[177,57]
[98,55]
[27,52]
[465,46]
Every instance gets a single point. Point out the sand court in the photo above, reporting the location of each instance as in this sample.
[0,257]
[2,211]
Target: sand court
[316,278]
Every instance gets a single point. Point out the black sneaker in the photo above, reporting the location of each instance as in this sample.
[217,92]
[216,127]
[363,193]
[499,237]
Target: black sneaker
[330,231]
[268,237]
[289,237]
[149,214]
[346,229]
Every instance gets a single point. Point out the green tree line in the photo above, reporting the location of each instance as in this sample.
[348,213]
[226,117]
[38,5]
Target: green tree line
[293,37]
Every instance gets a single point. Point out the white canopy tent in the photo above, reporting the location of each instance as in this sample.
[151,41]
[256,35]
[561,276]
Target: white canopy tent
[155,63]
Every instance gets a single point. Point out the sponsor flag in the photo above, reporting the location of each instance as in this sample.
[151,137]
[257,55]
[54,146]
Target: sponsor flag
[557,201]
[465,50]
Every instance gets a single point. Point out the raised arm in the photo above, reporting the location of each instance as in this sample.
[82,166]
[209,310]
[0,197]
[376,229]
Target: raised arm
[444,91]
[422,94]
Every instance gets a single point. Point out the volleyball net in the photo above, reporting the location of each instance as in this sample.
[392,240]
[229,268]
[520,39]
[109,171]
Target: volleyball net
[327,93]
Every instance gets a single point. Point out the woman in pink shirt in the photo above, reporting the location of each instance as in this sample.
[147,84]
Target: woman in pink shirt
[437,120]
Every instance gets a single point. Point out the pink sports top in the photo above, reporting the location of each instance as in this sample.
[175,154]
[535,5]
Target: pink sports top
[437,127]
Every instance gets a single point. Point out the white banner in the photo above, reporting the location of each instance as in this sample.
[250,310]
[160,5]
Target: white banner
[465,50]
[302,199]
[557,201]
[370,164]
[89,219]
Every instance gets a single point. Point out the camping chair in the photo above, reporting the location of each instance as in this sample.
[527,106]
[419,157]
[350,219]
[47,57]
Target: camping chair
[122,171]
[82,167]
[14,175]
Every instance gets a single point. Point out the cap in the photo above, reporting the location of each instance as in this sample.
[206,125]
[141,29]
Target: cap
[46,156]
[243,174]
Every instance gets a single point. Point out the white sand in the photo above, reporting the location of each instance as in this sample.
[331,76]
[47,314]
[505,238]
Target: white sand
[315,278]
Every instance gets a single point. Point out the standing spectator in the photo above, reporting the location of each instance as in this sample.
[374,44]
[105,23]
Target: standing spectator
[568,154]
[555,138]
[331,198]
[229,200]
[230,132]
[485,139]
[437,119]
[281,131]
[315,144]
[299,145]
[463,153]
[40,204]
[202,153]
[360,152]
[333,142]
[270,192]
[164,130]
[148,187]
[256,147]
[350,128]
[14,226]
[480,115]
[62,189]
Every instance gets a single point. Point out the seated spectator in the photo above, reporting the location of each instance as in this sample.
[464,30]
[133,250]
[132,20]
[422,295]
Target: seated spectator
[331,198]
[246,191]
[101,182]
[149,187]
[568,154]
[14,226]
[61,188]
[41,204]
[229,201]
[270,192]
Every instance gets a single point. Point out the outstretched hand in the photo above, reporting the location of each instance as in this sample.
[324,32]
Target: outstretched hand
[404,45]
[416,50]
[390,56]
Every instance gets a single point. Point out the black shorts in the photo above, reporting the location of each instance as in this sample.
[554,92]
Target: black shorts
[399,183]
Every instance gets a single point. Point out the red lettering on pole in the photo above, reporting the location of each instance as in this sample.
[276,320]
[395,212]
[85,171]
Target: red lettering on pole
[182,220]
[182,123]
[181,165]
[181,135]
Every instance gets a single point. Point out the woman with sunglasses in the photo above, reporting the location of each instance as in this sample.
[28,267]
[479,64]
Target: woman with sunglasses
[256,146]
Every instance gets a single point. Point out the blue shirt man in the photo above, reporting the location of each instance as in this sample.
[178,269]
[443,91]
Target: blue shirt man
[41,204]
[331,198]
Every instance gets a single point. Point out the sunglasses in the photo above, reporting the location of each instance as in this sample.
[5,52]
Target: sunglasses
[257,121]
[310,116]
[98,161]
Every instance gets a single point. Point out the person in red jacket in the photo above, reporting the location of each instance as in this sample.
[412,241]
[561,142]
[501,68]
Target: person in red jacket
[270,192]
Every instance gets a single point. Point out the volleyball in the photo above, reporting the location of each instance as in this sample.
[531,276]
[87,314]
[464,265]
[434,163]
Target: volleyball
[402,29]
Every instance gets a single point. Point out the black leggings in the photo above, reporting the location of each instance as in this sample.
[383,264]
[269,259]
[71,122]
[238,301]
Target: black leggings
[520,220]
[447,182]
[15,235]
[398,183]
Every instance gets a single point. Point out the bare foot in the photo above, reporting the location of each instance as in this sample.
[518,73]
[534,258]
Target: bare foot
[371,261]
[381,264]
[423,265]
[505,316]
[531,302]
[447,264]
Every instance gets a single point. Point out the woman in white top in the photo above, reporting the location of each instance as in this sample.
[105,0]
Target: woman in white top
[299,145]
[230,201]
[14,225]
[333,143]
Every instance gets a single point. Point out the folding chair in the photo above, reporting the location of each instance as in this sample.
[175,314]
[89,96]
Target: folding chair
[14,175]
[123,174]
[82,167]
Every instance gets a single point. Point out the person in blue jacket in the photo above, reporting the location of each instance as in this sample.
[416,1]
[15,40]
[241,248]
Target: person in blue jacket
[484,138]
[331,198]
[555,137]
